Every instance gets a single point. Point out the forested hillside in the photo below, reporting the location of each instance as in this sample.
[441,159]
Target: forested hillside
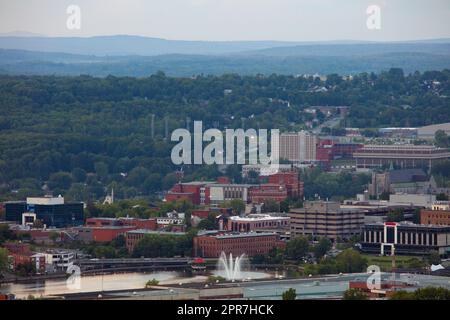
[79,135]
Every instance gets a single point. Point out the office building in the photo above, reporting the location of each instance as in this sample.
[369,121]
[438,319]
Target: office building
[52,211]
[399,156]
[405,238]
[326,219]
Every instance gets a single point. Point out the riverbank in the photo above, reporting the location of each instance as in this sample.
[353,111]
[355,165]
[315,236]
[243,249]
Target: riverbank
[10,278]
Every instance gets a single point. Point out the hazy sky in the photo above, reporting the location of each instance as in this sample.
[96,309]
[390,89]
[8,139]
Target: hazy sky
[299,20]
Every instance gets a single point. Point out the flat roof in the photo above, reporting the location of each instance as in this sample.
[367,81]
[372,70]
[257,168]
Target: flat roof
[412,225]
[256,217]
[145,231]
[241,235]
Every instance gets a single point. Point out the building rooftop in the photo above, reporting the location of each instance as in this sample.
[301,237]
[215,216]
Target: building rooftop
[234,235]
[407,175]
[258,217]
[145,231]
[406,224]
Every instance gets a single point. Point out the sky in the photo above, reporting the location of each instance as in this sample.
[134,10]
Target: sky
[226,20]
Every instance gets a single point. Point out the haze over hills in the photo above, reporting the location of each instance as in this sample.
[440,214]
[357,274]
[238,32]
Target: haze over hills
[132,45]
[142,56]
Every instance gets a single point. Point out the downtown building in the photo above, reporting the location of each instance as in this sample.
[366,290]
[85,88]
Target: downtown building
[212,244]
[279,186]
[298,147]
[326,219]
[405,238]
[254,222]
[438,215]
[52,211]
[401,156]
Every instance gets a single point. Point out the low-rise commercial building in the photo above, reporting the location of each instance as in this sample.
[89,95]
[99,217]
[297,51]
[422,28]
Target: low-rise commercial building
[405,238]
[438,215]
[402,156]
[326,219]
[59,260]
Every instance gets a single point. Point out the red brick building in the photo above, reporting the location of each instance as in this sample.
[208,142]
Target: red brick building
[107,229]
[251,244]
[102,222]
[107,234]
[265,192]
[436,217]
[290,180]
[22,254]
[328,150]
[195,192]
[149,224]
[120,222]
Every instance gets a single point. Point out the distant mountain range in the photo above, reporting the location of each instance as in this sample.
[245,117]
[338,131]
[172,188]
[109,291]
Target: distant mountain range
[141,56]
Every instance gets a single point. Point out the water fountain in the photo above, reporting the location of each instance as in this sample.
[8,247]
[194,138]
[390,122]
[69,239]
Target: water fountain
[237,268]
[231,268]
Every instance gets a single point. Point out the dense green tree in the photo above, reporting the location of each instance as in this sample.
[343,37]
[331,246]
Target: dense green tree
[60,180]
[59,131]
[297,248]
[289,294]
[322,247]
[350,261]
[209,223]
[441,139]
[434,257]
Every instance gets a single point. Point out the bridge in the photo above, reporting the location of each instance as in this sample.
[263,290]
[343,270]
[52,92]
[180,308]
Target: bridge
[129,264]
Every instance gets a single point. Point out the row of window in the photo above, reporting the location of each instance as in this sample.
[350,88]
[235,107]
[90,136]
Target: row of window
[411,238]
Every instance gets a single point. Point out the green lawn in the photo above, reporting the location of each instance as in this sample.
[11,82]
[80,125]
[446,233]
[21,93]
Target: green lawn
[385,262]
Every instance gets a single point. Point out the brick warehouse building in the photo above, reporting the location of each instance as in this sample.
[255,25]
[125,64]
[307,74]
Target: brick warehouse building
[211,245]
[438,215]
